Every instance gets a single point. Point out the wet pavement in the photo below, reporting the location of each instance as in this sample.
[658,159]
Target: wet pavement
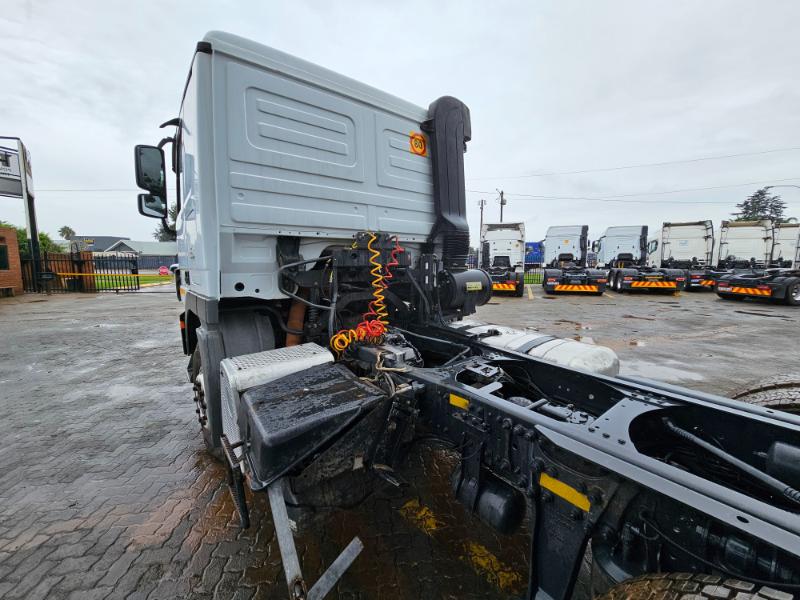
[106,492]
[693,339]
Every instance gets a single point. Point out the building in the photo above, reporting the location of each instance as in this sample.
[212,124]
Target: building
[10,264]
[95,243]
[152,255]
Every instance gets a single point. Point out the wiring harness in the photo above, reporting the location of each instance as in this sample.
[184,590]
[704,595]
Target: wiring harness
[373,326]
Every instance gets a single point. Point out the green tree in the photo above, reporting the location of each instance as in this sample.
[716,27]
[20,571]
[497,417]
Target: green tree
[46,243]
[761,205]
[168,234]
[66,232]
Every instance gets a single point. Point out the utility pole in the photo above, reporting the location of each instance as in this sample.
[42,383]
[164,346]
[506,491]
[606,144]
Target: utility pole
[481,204]
[503,202]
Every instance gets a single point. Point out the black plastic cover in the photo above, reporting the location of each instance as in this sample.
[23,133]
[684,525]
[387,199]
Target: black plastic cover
[449,129]
[288,420]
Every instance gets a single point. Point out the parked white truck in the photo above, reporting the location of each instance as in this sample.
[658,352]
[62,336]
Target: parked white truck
[623,250]
[786,250]
[322,240]
[503,256]
[688,246]
[566,250]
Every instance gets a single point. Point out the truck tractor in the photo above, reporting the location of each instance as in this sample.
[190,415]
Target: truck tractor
[322,233]
[770,272]
[565,255]
[623,251]
[503,256]
[687,246]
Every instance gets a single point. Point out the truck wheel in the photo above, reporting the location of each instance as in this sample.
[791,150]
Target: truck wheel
[520,290]
[677,586]
[780,392]
[196,377]
[793,294]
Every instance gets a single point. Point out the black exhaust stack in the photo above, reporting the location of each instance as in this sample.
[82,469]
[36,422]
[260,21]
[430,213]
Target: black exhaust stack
[449,129]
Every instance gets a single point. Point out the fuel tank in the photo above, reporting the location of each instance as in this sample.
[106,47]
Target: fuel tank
[569,353]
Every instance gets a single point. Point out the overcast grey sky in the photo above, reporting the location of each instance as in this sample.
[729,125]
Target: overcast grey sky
[552,87]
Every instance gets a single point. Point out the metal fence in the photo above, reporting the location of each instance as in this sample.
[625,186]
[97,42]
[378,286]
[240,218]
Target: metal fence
[534,272]
[80,272]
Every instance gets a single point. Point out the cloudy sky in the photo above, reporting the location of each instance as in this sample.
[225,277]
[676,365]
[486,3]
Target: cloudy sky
[562,94]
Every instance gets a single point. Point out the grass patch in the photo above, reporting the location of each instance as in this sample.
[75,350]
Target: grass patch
[533,277]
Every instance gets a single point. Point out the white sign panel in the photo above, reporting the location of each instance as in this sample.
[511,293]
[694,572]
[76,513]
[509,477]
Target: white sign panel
[10,178]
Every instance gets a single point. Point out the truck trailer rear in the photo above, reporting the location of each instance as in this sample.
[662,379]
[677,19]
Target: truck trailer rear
[322,237]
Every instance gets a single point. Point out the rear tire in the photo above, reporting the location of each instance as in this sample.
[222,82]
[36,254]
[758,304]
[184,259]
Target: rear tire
[196,377]
[677,586]
[793,294]
[779,392]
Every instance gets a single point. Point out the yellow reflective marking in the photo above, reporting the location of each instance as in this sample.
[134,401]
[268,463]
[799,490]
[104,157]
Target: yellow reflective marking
[488,565]
[421,516]
[459,402]
[567,492]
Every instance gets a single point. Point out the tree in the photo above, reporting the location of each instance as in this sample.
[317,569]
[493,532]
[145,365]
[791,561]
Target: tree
[46,243]
[66,232]
[168,234]
[761,205]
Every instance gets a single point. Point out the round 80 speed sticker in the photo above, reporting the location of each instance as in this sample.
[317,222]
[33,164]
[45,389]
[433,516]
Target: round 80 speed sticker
[418,143]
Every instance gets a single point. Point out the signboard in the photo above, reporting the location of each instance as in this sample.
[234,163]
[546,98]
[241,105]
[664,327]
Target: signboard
[10,179]
[11,170]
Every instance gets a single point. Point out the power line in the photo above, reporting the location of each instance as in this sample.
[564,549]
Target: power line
[640,165]
[618,197]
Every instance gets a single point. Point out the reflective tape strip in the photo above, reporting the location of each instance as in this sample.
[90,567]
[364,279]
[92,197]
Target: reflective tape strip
[503,287]
[459,402]
[751,291]
[654,284]
[707,282]
[567,492]
[571,287]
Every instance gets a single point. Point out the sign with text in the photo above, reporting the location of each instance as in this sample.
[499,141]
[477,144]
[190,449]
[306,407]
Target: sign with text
[13,163]
[10,178]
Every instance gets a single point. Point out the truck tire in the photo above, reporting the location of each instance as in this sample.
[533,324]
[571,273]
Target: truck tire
[680,586]
[793,293]
[779,392]
[196,377]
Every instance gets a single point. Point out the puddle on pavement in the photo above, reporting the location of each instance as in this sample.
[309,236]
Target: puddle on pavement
[669,374]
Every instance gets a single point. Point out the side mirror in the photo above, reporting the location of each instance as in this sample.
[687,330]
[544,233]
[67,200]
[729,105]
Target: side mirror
[152,206]
[594,246]
[150,172]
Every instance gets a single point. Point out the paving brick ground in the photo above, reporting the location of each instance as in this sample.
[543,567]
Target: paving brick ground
[105,491]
